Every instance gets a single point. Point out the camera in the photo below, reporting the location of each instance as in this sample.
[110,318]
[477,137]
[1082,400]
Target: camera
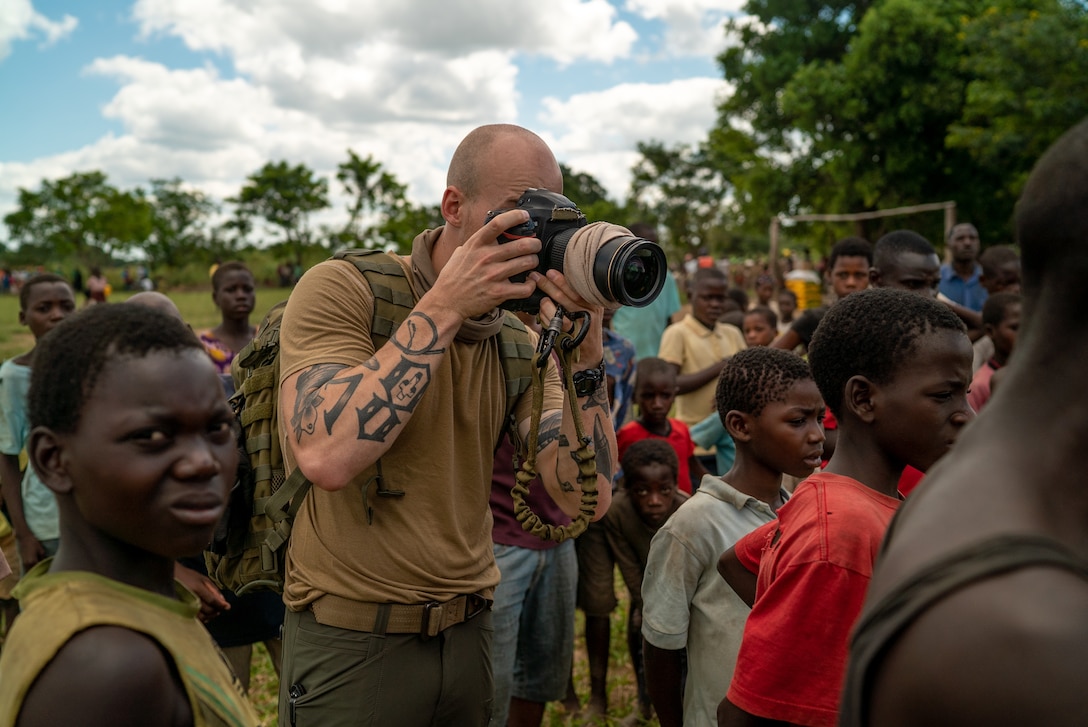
[620,270]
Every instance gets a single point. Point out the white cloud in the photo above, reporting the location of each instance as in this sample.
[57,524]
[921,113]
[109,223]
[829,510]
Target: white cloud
[19,21]
[692,27]
[598,132]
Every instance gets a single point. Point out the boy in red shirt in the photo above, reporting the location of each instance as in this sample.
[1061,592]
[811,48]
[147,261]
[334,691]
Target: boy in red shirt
[894,367]
[655,391]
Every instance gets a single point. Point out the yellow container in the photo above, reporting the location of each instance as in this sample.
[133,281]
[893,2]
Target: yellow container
[805,284]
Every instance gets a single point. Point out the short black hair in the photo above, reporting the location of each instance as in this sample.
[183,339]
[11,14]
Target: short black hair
[233,266]
[871,333]
[850,247]
[994,258]
[755,377]
[996,306]
[769,315]
[790,293]
[711,274]
[889,247]
[70,358]
[1052,229]
[651,366]
[648,451]
[24,292]
[739,296]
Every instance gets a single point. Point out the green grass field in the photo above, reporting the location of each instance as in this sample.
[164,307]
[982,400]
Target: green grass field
[196,307]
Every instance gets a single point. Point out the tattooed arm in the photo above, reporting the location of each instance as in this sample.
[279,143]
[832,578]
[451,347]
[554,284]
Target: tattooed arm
[557,440]
[340,419]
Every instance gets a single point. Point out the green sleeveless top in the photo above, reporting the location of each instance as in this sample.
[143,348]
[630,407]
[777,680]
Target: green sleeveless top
[55,607]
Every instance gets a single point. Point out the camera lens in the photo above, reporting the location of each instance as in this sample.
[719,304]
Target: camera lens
[631,270]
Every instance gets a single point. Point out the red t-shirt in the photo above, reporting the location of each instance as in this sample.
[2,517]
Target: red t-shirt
[679,437]
[814,565]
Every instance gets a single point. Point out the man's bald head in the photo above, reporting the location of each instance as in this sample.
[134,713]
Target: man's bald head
[158,301]
[465,170]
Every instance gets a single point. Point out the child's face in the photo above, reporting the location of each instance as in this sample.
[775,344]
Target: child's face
[786,305]
[154,455]
[654,395]
[651,487]
[235,296]
[1004,333]
[921,411]
[914,273]
[764,291]
[1007,279]
[708,301]
[788,435]
[47,305]
[757,330]
[849,275]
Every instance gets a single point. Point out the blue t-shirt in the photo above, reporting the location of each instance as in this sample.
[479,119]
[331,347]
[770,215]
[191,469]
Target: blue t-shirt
[643,326]
[39,505]
[968,293]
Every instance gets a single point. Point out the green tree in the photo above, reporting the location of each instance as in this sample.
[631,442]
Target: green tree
[678,190]
[80,215]
[846,107]
[285,197]
[590,195]
[179,223]
[1028,61]
[375,195]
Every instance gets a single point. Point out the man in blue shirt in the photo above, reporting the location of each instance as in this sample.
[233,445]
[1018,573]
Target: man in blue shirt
[960,278]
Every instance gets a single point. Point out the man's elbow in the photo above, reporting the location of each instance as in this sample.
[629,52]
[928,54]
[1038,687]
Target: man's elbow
[322,471]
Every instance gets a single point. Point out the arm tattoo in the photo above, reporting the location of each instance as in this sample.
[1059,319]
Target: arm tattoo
[309,385]
[599,398]
[604,450]
[403,386]
[422,335]
[549,430]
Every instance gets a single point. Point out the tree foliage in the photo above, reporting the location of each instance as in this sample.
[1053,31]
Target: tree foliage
[180,220]
[284,196]
[80,215]
[848,107]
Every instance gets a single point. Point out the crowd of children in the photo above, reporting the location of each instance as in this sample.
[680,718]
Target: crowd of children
[763,463]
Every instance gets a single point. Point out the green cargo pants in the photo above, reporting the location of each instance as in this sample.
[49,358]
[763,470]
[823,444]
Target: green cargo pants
[333,677]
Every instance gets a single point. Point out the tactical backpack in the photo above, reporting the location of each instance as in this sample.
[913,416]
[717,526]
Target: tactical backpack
[248,549]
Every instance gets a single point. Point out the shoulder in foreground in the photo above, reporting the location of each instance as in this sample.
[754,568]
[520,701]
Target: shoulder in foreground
[1008,650]
[107,675]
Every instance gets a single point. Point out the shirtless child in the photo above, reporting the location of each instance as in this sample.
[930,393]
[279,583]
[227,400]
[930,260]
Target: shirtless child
[976,613]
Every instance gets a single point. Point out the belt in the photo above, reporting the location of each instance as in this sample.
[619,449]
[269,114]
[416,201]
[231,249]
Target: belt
[425,619]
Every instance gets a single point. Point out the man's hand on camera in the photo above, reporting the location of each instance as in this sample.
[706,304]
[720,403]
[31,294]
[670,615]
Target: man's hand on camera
[476,278]
[559,292]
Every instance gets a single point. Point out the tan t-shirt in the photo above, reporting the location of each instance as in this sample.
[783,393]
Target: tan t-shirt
[693,347]
[434,542]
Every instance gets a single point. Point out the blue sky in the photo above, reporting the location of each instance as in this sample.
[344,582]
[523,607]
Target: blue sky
[210,91]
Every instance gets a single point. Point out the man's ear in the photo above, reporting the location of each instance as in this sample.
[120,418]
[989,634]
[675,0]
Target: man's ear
[874,277]
[739,425]
[453,205]
[858,398]
[45,450]
[22,317]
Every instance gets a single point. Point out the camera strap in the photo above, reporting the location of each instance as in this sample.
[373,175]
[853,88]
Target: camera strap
[584,455]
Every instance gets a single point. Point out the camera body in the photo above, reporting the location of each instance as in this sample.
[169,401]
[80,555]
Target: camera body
[623,270]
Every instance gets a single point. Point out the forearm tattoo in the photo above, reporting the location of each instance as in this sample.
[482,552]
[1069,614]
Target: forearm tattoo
[402,387]
[599,398]
[550,431]
[603,450]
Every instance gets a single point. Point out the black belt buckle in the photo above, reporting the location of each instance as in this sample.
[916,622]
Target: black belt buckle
[476,605]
